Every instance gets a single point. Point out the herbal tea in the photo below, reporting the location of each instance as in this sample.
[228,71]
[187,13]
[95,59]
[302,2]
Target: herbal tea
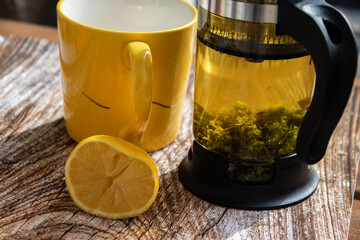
[250,110]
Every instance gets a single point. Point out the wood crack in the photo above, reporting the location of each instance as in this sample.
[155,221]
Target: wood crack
[37,197]
[172,222]
[22,225]
[92,235]
[74,214]
[68,230]
[62,188]
[150,225]
[213,225]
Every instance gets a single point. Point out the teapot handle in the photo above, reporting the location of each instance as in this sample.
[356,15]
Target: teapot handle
[327,35]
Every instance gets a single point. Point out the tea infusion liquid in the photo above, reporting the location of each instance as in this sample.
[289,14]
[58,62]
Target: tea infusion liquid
[252,89]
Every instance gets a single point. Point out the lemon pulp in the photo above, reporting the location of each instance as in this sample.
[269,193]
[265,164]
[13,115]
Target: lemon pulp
[111,178]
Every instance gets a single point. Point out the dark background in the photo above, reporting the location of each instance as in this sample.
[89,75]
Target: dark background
[44,11]
[35,11]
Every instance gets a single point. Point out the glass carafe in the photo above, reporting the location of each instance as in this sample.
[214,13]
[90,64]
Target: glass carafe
[252,90]
[272,79]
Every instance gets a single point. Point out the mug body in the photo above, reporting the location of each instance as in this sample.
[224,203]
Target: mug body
[96,72]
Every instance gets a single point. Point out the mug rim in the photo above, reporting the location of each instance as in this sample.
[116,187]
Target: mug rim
[184,26]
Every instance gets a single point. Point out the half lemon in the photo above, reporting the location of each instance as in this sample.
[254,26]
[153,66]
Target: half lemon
[111,178]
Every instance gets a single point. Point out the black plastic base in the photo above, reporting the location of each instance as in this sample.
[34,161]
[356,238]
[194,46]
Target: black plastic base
[203,174]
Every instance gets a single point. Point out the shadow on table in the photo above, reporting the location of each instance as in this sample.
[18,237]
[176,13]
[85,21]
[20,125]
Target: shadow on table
[34,144]
[31,164]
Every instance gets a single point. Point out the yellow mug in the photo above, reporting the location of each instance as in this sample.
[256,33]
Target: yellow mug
[125,66]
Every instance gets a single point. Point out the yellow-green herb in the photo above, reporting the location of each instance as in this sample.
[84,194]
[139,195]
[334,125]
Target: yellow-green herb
[250,139]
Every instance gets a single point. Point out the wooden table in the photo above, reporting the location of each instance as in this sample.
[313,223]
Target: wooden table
[34,202]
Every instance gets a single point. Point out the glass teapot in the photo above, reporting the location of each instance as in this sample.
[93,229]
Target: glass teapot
[272,79]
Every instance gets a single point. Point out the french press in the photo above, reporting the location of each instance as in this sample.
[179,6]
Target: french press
[272,79]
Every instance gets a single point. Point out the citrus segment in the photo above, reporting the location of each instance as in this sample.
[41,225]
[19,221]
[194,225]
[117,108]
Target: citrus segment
[111,178]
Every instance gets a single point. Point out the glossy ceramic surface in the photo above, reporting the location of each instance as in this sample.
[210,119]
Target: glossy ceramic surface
[129,84]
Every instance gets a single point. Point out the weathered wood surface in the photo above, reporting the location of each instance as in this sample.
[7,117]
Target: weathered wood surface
[34,201]
[354,232]
[357,188]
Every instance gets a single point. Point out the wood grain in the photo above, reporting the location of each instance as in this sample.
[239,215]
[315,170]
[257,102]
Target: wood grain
[354,233]
[357,188]
[34,201]
[354,230]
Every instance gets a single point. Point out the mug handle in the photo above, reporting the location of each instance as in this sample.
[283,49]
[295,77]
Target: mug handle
[141,74]
[327,35]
